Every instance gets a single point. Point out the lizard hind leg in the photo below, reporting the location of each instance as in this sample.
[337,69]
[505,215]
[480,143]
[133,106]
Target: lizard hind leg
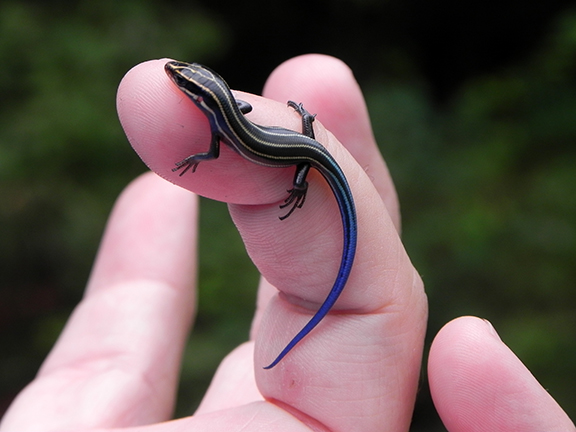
[296,199]
[299,189]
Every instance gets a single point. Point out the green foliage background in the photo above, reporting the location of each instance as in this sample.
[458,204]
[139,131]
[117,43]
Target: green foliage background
[481,145]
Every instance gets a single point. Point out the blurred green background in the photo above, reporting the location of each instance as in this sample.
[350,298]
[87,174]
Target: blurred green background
[473,104]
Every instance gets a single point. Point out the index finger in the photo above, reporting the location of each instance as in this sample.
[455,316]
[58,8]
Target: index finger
[164,126]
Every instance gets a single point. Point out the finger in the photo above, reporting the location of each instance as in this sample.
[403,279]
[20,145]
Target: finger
[116,363]
[164,126]
[319,82]
[477,383]
[326,86]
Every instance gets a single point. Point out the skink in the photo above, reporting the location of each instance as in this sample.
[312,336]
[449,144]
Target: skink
[272,147]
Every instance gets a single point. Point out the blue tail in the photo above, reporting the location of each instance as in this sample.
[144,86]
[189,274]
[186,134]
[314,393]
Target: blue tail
[348,213]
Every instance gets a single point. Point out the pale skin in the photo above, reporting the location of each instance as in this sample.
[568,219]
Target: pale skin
[116,364]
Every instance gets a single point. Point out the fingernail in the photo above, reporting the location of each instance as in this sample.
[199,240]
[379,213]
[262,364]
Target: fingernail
[492,330]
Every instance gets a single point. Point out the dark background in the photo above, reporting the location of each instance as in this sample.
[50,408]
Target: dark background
[473,104]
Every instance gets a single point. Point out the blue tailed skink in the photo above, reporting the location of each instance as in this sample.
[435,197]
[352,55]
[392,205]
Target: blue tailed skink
[272,147]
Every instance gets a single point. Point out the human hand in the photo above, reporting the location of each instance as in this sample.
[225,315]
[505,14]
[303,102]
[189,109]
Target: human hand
[116,364]
[255,192]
